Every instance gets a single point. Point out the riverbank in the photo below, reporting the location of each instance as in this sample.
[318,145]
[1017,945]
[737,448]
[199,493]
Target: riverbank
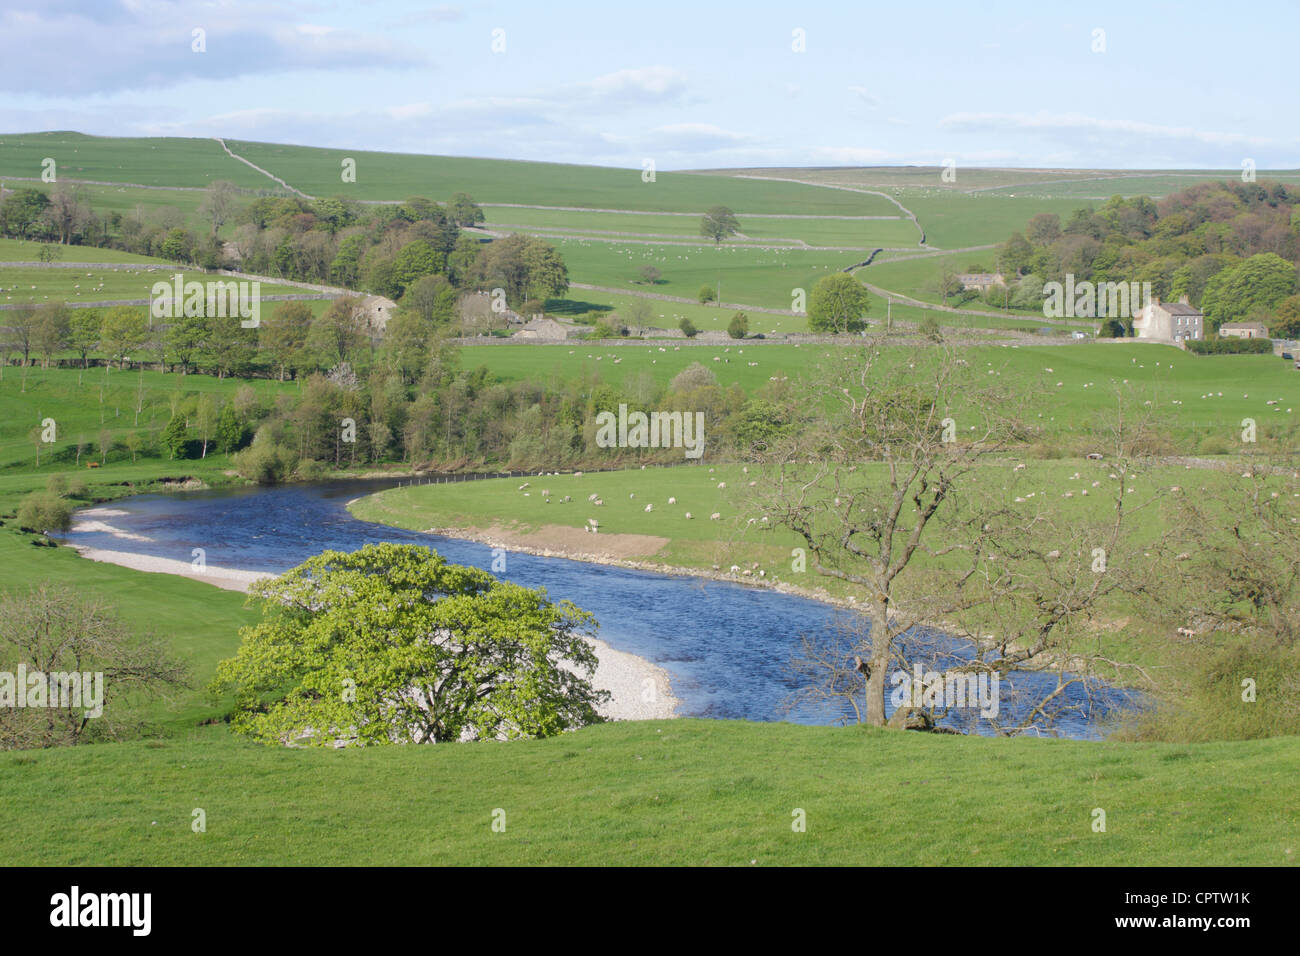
[639,690]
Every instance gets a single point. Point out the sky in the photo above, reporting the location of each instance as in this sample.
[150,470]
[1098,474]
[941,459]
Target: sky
[688,85]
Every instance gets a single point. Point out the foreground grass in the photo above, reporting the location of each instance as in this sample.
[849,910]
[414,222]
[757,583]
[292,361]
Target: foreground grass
[663,792]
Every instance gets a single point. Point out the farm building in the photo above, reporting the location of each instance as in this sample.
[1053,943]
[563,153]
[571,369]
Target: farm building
[1169,321]
[540,327]
[981,280]
[1244,330]
[378,310]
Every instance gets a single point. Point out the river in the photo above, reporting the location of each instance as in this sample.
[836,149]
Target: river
[726,647]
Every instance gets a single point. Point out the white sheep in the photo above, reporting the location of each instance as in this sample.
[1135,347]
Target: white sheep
[721,485]
[649,507]
[689,516]
[715,516]
[672,501]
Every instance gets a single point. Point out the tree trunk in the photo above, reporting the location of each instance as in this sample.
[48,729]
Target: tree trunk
[879,664]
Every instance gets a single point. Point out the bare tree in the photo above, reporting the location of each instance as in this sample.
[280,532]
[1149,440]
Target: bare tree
[219,202]
[67,213]
[902,484]
[56,633]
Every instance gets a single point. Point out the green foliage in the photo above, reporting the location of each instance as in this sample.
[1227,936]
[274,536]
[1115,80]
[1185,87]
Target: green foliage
[738,327]
[1262,280]
[265,461]
[1230,345]
[175,437]
[719,223]
[838,303]
[391,644]
[706,294]
[688,328]
[44,511]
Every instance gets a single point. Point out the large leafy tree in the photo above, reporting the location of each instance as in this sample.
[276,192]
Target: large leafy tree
[391,644]
[719,223]
[837,304]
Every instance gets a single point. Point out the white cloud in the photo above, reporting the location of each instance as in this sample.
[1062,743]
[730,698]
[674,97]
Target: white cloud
[1073,123]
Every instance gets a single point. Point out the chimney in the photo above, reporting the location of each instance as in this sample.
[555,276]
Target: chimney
[1183,300]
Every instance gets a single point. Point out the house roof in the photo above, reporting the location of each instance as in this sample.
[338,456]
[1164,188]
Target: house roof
[1179,308]
[1254,326]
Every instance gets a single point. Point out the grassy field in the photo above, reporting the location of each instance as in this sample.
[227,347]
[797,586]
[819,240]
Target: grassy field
[154,161]
[110,282]
[83,403]
[864,234]
[762,277]
[1068,386]
[22,250]
[399,175]
[720,793]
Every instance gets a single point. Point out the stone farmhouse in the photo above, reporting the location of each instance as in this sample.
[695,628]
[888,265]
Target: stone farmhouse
[981,280]
[1175,322]
[1244,330]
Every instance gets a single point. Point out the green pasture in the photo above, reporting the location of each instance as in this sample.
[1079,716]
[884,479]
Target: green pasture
[149,161]
[109,282]
[700,792]
[399,175]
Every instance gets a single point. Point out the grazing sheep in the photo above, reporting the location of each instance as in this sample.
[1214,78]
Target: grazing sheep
[672,501]
[721,485]
[523,486]
[593,496]
[689,516]
[715,516]
[649,507]
[598,502]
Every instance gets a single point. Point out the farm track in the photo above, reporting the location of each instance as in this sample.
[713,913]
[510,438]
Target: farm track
[907,213]
[953,310]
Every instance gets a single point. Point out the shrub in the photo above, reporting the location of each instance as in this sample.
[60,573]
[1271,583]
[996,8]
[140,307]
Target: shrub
[1230,346]
[928,327]
[264,461]
[607,329]
[44,511]
[688,328]
[311,470]
[738,327]
[706,294]
[692,377]
[1214,445]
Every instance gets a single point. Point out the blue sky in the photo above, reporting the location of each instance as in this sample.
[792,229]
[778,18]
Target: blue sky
[690,85]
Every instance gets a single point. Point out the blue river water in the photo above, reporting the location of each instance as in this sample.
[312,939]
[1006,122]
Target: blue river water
[726,647]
